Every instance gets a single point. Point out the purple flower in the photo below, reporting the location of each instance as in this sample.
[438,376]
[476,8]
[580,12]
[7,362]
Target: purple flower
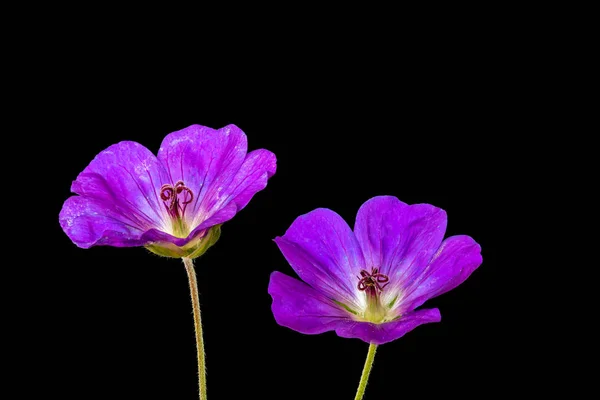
[367,284]
[173,203]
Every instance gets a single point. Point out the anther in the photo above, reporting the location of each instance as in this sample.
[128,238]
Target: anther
[372,281]
[170,194]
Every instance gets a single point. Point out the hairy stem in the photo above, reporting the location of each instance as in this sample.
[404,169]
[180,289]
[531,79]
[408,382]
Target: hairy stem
[189,267]
[366,371]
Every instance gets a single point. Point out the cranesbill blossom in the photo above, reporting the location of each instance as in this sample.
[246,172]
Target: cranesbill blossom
[173,203]
[368,283]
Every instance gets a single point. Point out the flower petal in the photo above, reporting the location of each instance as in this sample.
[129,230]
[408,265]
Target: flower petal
[127,177]
[384,333]
[88,222]
[252,177]
[399,239]
[323,251]
[300,307]
[207,161]
[452,264]
[379,229]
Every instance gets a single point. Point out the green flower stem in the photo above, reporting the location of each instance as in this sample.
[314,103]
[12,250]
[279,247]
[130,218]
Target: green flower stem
[189,267]
[366,371]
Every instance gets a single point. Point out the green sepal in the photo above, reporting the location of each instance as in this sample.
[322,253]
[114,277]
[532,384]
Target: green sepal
[193,249]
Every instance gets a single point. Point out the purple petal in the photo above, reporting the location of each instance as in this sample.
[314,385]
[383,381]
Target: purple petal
[120,185]
[252,177]
[323,251]
[379,229]
[398,239]
[88,222]
[383,333]
[300,307]
[455,260]
[207,161]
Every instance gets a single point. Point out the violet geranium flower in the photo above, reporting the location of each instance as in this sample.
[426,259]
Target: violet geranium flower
[173,203]
[367,284]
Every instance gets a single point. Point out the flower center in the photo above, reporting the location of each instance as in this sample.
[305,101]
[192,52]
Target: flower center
[176,198]
[372,283]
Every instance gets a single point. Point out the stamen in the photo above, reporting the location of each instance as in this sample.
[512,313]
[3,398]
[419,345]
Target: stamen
[180,187]
[371,281]
[166,192]
[170,194]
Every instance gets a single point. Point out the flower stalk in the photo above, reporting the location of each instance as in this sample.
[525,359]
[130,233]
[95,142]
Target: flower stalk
[189,267]
[360,392]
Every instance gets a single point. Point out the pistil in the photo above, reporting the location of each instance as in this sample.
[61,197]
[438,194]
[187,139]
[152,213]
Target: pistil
[372,283]
[176,198]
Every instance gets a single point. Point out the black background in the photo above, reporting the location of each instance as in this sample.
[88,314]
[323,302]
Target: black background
[118,321]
